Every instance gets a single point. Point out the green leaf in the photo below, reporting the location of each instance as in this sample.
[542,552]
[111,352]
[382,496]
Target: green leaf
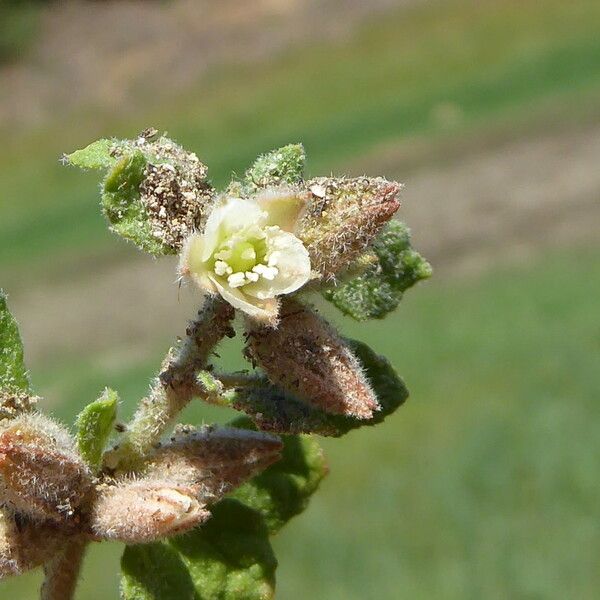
[155,572]
[379,289]
[13,374]
[122,205]
[228,558]
[95,156]
[94,426]
[272,409]
[278,167]
[284,489]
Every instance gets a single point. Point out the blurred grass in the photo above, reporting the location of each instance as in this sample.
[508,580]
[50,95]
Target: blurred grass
[19,22]
[483,486]
[449,65]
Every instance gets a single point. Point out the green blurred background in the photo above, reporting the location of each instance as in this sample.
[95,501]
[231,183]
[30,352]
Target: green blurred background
[484,485]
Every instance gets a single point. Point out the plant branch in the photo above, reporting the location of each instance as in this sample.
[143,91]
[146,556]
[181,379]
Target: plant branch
[62,572]
[176,384]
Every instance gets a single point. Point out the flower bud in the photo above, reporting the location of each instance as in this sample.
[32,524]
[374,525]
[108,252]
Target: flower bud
[25,545]
[140,511]
[306,357]
[213,461]
[342,217]
[41,474]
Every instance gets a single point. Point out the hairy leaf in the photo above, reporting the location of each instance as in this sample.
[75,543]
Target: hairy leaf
[274,410]
[155,572]
[379,289]
[284,489]
[284,166]
[122,205]
[230,557]
[96,155]
[94,425]
[13,374]
[154,194]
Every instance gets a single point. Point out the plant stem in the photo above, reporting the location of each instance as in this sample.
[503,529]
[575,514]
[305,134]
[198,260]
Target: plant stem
[61,573]
[234,380]
[176,384]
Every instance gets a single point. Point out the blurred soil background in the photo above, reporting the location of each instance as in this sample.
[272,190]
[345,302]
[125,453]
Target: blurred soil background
[485,484]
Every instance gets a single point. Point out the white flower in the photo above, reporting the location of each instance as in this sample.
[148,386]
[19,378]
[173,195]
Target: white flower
[248,253]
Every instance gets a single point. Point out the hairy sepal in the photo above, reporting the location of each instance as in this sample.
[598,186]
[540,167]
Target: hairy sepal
[230,556]
[342,217]
[24,544]
[41,473]
[306,357]
[144,510]
[212,461]
[272,409]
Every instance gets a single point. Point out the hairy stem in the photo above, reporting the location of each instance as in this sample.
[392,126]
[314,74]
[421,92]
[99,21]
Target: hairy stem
[176,384]
[61,573]
[233,380]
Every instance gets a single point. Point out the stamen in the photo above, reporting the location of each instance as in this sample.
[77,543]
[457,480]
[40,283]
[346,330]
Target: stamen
[268,273]
[222,268]
[236,280]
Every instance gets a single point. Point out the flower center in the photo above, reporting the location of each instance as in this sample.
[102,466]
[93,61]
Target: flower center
[245,259]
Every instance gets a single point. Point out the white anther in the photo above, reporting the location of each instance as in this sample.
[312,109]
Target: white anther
[236,280]
[222,268]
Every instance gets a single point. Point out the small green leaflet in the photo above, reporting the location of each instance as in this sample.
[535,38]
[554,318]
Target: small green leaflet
[379,290]
[13,374]
[97,155]
[122,205]
[94,426]
[284,166]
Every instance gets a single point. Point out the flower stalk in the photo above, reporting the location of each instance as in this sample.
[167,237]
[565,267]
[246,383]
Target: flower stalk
[62,571]
[175,386]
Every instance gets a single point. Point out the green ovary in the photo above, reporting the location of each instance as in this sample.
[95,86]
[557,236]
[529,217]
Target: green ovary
[240,255]
[243,257]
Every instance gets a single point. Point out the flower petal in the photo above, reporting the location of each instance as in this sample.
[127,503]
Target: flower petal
[290,257]
[282,205]
[261,310]
[228,217]
[190,264]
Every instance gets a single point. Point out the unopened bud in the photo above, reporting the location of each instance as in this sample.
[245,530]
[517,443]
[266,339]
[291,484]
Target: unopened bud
[41,474]
[25,545]
[213,461]
[342,217]
[140,511]
[305,356]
